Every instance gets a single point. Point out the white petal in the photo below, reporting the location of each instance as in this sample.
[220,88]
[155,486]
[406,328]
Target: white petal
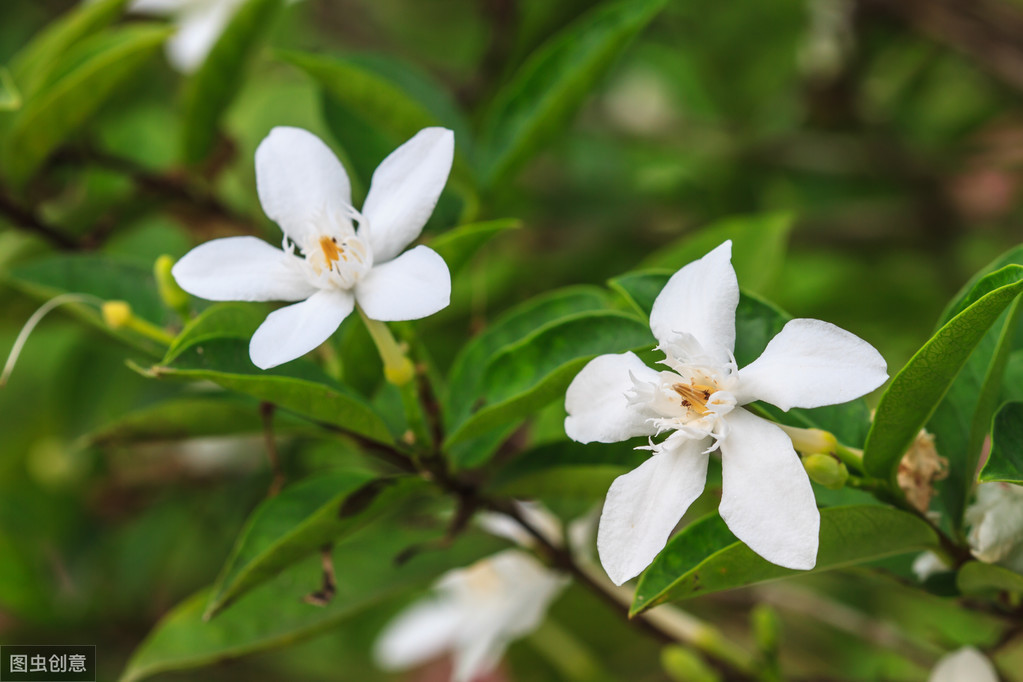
[766,497]
[811,363]
[291,332]
[199,27]
[415,284]
[700,299]
[643,506]
[964,665]
[404,190]
[423,631]
[242,269]
[301,184]
[163,7]
[596,402]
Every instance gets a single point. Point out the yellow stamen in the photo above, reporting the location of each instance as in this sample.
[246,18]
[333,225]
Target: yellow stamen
[331,251]
[695,396]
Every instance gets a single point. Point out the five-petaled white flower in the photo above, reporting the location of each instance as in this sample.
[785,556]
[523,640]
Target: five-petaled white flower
[996,520]
[304,189]
[766,499]
[475,613]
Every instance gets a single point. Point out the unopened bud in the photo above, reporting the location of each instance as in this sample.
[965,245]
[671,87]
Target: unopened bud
[400,371]
[171,294]
[117,314]
[809,441]
[826,470]
[682,665]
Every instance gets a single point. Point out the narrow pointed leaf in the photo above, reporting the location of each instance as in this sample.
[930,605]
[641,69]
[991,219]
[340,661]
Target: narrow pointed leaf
[534,107]
[917,389]
[298,386]
[459,245]
[705,557]
[219,321]
[300,520]
[81,82]
[976,576]
[1006,460]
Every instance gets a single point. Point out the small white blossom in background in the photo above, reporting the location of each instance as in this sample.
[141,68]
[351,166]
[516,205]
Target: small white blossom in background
[927,564]
[996,520]
[964,665]
[766,499]
[474,614]
[304,189]
[199,25]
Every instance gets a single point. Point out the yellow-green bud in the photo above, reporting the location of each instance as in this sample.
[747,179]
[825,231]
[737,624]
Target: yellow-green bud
[117,314]
[826,470]
[809,441]
[400,371]
[682,665]
[172,295]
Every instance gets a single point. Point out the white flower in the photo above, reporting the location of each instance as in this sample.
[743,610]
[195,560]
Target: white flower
[200,23]
[996,518]
[766,500]
[475,613]
[964,665]
[304,189]
[927,564]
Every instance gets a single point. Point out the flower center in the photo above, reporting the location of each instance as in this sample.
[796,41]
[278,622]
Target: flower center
[337,257]
[695,396]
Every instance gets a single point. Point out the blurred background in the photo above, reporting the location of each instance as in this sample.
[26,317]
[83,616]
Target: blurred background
[890,131]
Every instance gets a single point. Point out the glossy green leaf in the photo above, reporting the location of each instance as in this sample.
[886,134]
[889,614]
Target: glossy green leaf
[32,65]
[193,417]
[705,557]
[566,469]
[756,323]
[466,376]
[219,321]
[759,242]
[82,81]
[976,576]
[533,108]
[274,615]
[528,374]
[916,390]
[10,96]
[457,246]
[210,90]
[297,386]
[1005,463]
[300,520]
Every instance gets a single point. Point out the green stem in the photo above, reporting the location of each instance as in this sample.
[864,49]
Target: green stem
[565,653]
[398,369]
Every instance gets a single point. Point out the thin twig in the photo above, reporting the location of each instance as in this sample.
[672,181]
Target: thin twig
[325,594]
[27,220]
[266,411]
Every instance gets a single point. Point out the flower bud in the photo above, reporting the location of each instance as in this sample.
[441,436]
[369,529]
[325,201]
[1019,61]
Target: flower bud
[171,294]
[117,314]
[826,470]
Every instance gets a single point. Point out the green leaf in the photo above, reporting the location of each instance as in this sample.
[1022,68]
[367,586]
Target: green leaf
[1005,462]
[756,323]
[758,248]
[377,113]
[976,576]
[274,615]
[219,321]
[300,520]
[298,386]
[83,80]
[705,557]
[534,107]
[457,246]
[530,373]
[193,417]
[10,96]
[210,90]
[466,376]
[566,469]
[917,389]
[33,64]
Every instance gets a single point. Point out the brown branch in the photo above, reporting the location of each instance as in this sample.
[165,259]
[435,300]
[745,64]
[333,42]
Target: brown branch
[26,219]
[990,32]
